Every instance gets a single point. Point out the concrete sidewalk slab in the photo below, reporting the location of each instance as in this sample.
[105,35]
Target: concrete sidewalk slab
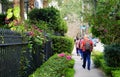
[80,72]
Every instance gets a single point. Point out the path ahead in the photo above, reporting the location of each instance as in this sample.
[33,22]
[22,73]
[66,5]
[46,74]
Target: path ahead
[80,72]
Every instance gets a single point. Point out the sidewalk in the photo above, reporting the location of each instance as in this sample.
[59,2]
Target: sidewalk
[80,72]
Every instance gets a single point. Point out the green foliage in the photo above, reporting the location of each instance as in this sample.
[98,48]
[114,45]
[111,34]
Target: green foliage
[34,14]
[105,21]
[63,28]
[43,26]
[13,19]
[71,5]
[6,4]
[69,72]
[97,56]
[116,73]
[2,20]
[112,55]
[51,16]
[53,67]
[99,61]
[37,31]
[105,68]
[62,44]
[26,67]
[13,12]
[108,70]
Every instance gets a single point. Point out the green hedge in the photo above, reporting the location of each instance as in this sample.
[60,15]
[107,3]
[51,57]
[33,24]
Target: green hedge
[55,66]
[52,17]
[116,73]
[96,56]
[112,55]
[62,44]
[100,62]
[2,20]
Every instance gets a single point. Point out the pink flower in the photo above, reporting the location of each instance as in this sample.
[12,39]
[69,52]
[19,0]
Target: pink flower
[31,33]
[105,30]
[61,54]
[6,18]
[68,57]
[35,27]
[7,22]
[40,30]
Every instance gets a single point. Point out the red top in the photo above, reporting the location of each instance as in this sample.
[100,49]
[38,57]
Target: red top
[83,44]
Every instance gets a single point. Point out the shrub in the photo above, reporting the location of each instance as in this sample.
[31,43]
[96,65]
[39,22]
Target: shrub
[116,73]
[105,68]
[62,29]
[69,72]
[51,16]
[105,20]
[108,70]
[96,56]
[2,20]
[53,67]
[62,44]
[112,55]
[34,15]
[99,61]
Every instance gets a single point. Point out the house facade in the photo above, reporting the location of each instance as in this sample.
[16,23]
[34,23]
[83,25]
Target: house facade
[28,5]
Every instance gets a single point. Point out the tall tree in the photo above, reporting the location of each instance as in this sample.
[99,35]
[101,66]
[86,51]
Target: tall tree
[20,4]
[45,3]
[16,3]
[22,10]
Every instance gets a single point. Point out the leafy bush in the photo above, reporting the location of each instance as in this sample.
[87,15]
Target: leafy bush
[112,55]
[56,66]
[51,16]
[34,14]
[116,73]
[105,68]
[97,56]
[108,70]
[105,20]
[99,61]
[69,72]
[2,19]
[62,44]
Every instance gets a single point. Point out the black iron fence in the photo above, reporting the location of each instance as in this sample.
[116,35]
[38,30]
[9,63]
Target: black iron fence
[11,44]
[16,59]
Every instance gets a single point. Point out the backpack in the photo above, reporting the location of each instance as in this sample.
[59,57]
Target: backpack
[87,45]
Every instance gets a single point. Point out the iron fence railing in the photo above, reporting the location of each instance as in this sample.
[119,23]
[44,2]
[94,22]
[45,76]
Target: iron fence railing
[16,59]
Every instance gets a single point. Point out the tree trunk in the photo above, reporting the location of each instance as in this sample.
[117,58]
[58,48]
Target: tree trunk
[22,10]
[16,3]
[45,3]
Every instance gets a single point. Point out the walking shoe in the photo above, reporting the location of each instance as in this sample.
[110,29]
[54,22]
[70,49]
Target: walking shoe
[89,69]
[83,66]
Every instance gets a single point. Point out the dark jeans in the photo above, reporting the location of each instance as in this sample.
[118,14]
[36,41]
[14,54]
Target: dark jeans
[86,58]
[77,51]
[81,53]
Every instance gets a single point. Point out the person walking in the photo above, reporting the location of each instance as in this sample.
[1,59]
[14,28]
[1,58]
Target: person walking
[80,50]
[87,47]
[77,45]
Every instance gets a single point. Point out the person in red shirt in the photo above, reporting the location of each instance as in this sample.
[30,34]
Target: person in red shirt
[87,47]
